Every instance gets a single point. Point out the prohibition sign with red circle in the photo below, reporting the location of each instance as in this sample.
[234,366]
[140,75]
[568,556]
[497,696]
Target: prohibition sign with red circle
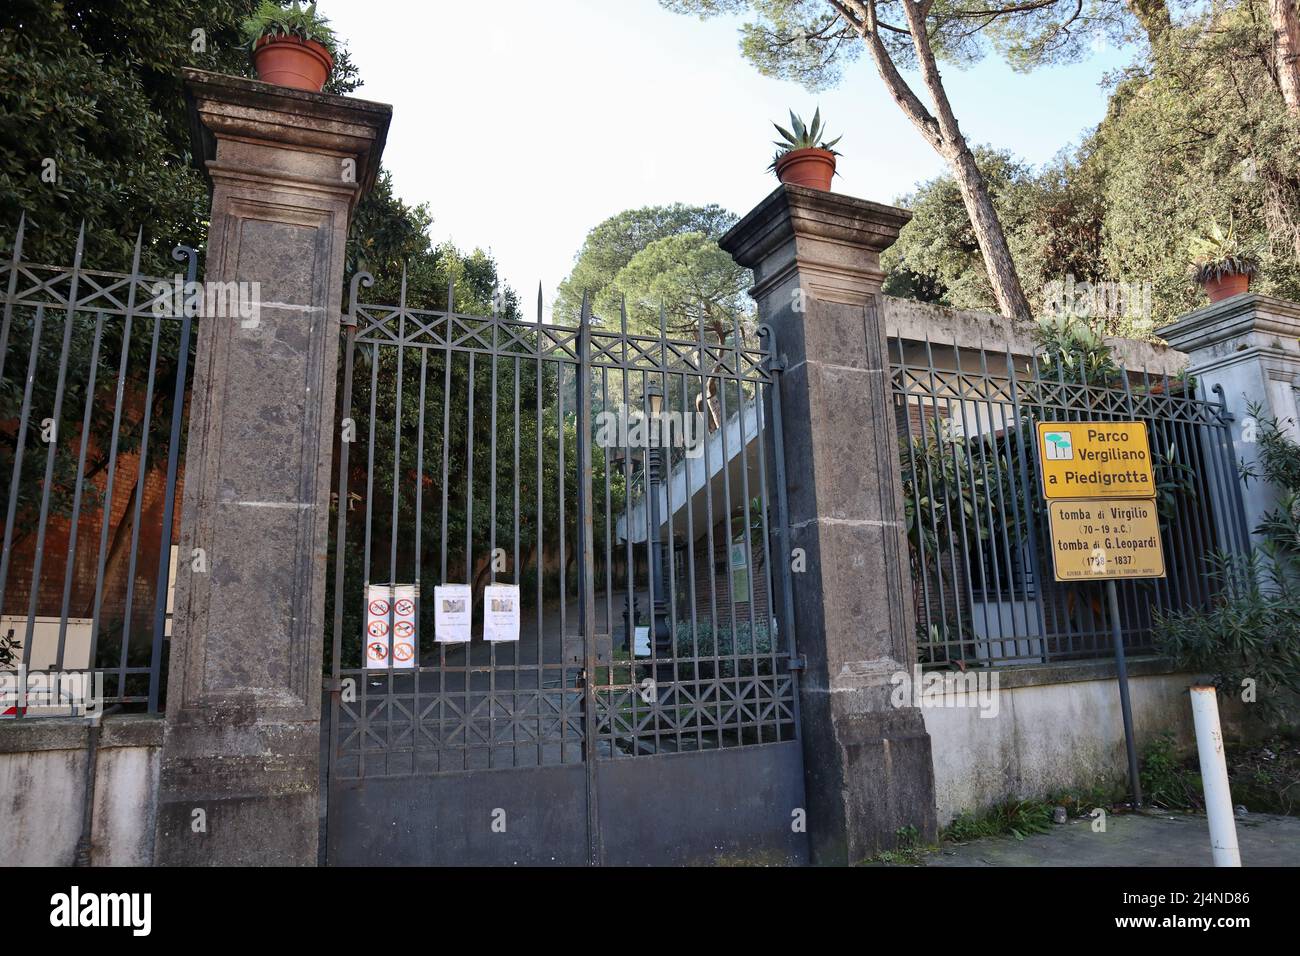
[377,651]
[403,628]
[404,606]
[378,606]
[403,652]
[377,628]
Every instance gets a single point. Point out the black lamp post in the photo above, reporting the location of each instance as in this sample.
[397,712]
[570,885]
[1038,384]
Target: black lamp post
[659,622]
[617,461]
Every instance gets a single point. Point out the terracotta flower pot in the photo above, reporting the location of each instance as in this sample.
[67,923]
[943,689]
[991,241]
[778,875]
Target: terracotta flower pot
[1226,287]
[288,61]
[807,167]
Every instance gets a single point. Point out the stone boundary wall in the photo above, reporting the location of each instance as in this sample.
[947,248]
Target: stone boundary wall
[912,320]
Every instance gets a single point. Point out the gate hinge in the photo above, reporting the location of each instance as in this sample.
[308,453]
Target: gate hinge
[797,664]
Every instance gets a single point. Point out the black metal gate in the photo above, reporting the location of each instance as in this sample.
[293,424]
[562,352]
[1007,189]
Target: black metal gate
[647,712]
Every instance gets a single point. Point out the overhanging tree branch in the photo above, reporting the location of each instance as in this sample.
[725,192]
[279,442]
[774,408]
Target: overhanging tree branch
[861,15]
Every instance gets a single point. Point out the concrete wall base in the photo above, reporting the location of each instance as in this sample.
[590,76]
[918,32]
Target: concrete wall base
[1059,728]
[43,778]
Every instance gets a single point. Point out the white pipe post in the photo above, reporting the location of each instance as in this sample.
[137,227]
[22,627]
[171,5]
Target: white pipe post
[1214,777]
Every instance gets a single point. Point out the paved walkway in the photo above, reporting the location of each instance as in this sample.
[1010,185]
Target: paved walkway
[1154,838]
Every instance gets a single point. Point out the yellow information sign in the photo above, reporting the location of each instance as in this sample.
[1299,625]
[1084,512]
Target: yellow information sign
[1095,460]
[1105,538]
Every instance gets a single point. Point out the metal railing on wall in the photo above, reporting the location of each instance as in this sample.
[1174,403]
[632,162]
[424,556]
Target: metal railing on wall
[982,575]
[93,384]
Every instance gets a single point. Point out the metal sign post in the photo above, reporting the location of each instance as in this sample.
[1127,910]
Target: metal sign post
[1100,491]
[1125,708]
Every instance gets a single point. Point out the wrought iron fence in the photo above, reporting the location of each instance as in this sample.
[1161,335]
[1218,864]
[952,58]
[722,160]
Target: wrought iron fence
[93,385]
[651,613]
[976,522]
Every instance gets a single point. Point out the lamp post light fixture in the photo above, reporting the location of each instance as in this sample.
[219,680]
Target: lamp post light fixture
[617,458]
[654,399]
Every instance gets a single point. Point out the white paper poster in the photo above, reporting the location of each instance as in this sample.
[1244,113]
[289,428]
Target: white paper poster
[642,642]
[501,612]
[452,605]
[390,625]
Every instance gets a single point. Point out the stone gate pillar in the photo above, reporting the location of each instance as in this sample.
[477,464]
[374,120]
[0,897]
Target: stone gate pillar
[867,764]
[241,751]
[1248,345]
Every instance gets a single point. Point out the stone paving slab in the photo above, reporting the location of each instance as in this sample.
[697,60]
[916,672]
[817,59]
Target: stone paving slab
[1148,839]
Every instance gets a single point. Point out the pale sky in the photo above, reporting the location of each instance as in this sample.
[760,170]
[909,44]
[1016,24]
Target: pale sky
[524,124]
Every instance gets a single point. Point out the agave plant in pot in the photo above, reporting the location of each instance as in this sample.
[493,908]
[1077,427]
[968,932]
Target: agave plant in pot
[803,157]
[1223,263]
[291,46]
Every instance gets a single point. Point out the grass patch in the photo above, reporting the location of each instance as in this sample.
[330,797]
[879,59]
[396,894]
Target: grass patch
[1081,803]
[1169,781]
[909,852]
[1022,818]
[1266,778]
[1017,818]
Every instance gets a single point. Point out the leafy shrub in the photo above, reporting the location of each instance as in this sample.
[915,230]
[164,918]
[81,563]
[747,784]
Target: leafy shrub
[1251,628]
[701,641]
[1277,461]
[1251,631]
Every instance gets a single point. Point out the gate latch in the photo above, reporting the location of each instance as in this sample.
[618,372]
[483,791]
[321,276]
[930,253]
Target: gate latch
[797,664]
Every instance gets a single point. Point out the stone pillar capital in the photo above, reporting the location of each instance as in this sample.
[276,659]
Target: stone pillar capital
[1242,328]
[1247,350]
[827,242]
[243,129]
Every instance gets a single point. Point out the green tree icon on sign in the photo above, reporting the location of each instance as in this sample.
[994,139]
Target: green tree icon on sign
[1058,445]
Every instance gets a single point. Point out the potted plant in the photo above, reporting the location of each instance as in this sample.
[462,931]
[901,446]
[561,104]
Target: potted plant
[1223,263]
[803,158]
[291,46]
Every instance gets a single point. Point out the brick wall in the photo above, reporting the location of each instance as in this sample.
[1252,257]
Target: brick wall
[118,549]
